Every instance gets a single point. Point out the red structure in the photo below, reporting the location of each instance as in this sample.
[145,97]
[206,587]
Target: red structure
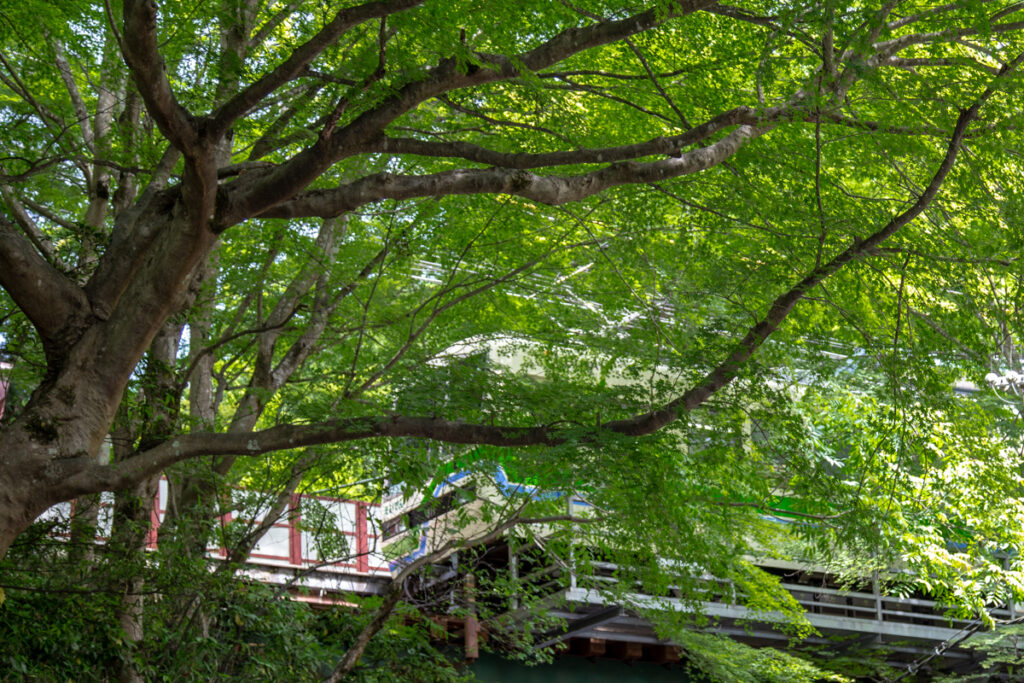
[287,545]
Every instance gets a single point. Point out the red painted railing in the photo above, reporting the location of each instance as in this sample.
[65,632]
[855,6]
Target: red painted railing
[286,543]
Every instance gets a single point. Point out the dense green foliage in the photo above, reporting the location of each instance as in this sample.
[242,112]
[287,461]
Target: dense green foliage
[61,623]
[717,266]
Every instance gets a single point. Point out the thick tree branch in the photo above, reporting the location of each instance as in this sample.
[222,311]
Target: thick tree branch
[888,48]
[552,190]
[130,239]
[142,55]
[49,299]
[780,309]
[604,155]
[914,62]
[115,476]
[301,58]
[31,229]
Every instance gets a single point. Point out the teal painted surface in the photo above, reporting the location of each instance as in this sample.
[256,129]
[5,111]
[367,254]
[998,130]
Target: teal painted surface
[492,669]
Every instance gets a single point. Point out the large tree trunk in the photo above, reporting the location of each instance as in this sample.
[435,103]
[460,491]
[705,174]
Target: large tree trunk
[48,453]
[20,503]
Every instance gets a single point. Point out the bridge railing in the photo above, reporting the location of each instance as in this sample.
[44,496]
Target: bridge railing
[289,543]
[915,620]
